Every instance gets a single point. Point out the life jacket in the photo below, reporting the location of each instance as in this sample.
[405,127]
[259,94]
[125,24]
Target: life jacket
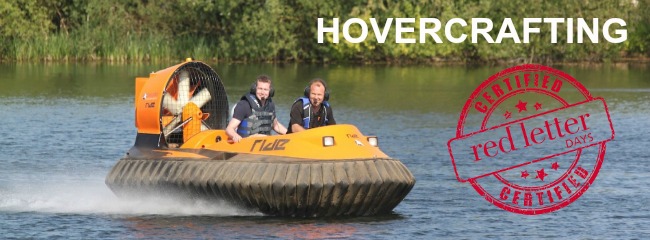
[306,111]
[261,119]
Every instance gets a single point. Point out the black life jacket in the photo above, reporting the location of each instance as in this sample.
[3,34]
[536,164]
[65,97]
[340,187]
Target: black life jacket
[261,119]
[306,111]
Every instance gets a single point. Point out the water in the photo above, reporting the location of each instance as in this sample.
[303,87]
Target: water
[63,126]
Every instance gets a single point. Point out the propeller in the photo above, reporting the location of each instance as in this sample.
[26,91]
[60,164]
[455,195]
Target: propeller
[178,94]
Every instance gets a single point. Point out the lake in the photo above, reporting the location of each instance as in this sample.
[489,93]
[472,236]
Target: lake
[64,125]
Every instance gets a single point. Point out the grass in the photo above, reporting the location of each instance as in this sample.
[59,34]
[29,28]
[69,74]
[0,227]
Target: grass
[107,46]
[103,46]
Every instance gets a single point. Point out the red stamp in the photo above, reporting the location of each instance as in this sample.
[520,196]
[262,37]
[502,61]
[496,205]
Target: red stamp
[531,139]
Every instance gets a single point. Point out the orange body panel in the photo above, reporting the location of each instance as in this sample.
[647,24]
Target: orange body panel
[148,99]
[199,141]
[349,144]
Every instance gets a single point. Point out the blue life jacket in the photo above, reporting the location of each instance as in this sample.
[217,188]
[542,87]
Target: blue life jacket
[261,119]
[306,112]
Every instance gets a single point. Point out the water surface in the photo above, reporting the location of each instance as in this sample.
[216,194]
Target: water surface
[64,126]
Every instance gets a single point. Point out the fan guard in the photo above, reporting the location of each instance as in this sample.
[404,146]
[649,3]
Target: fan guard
[194,87]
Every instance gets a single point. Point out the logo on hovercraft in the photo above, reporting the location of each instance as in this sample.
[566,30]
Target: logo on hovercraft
[263,146]
[150,100]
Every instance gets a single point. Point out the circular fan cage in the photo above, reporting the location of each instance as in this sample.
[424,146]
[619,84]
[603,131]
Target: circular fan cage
[195,84]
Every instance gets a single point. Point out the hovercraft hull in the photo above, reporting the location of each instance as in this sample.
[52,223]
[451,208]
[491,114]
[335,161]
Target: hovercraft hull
[273,185]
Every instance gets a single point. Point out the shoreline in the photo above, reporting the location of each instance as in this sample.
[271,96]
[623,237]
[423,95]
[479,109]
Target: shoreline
[355,62]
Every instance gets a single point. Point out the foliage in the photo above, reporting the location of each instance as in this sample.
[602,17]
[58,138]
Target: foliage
[286,30]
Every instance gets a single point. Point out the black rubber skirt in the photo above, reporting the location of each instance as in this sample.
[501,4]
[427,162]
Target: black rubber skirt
[281,187]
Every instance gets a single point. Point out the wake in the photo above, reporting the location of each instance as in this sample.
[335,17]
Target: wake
[92,196]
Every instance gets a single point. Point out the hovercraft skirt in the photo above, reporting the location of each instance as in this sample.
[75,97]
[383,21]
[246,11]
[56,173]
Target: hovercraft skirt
[294,187]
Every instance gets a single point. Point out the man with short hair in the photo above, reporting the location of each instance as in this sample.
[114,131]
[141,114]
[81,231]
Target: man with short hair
[254,114]
[312,109]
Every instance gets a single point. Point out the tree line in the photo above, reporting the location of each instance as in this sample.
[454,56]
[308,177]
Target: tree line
[286,30]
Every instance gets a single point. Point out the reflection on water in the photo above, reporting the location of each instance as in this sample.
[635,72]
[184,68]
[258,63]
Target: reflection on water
[203,227]
[64,125]
[377,88]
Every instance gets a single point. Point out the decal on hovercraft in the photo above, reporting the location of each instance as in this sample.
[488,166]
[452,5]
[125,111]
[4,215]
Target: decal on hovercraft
[278,144]
[353,135]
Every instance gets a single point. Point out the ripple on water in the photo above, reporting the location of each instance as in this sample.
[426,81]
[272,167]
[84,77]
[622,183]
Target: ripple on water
[57,151]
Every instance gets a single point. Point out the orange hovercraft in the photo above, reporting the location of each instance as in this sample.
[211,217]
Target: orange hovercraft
[182,148]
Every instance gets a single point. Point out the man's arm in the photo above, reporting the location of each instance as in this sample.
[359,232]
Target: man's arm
[278,127]
[238,114]
[296,128]
[230,130]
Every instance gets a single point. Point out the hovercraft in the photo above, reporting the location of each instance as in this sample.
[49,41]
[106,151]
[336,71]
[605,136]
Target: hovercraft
[182,148]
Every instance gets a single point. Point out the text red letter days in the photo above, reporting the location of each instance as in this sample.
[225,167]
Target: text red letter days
[505,145]
[518,143]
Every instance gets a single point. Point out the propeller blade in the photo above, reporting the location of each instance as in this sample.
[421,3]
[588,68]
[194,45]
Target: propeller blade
[175,106]
[172,105]
[201,98]
[183,88]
